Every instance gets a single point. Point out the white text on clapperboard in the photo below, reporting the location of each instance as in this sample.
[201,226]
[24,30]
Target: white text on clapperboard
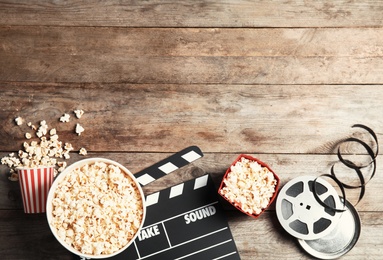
[190,217]
[200,214]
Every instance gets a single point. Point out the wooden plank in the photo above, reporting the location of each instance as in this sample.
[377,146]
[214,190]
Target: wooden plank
[167,118]
[194,70]
[192,42]
[184,56]
[200,13]
[286,166]
[281,80]
[27,236]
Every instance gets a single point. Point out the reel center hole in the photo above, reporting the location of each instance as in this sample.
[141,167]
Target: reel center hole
[308,207]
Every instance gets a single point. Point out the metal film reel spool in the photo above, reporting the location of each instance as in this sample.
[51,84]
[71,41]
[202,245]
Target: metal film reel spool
[340,240]
[301,215]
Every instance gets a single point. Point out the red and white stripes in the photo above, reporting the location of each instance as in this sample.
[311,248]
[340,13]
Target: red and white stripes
[35,184]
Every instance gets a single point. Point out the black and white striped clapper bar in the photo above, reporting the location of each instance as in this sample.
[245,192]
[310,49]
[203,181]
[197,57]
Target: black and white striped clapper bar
[168,165]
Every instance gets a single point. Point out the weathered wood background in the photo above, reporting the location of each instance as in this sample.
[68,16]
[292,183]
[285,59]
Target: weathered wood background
[281,80]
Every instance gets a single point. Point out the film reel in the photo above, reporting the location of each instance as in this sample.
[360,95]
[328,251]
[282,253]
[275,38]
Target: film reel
[299,212]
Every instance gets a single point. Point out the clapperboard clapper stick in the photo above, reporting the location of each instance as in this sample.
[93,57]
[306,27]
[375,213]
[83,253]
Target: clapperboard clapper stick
[168,165]
[185,221]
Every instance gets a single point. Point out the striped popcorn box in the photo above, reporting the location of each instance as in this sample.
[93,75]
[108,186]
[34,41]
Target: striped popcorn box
[35,184]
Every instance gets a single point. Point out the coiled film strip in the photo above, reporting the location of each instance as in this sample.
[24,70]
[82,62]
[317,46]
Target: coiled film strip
[372,153]
[310,207]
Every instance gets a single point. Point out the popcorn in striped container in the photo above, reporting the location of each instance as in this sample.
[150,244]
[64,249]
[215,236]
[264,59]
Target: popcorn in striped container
[42,158]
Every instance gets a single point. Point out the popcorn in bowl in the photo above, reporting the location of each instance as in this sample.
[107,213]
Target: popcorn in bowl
[95,208]
[250,185]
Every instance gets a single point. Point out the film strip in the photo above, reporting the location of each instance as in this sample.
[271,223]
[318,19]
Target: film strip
[357,168]
[168,165]
[310,208]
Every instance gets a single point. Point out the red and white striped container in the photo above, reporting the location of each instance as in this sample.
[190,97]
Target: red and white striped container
[35,184]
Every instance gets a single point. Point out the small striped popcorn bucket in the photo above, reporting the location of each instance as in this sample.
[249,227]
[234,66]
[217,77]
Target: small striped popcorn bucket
[35,184]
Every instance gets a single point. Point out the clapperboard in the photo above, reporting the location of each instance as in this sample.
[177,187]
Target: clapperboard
[185,221]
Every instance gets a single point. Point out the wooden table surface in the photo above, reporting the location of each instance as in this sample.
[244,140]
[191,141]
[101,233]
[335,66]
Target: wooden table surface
[283,81]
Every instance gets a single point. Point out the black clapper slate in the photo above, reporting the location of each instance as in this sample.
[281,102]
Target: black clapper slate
[189,223]
[185,221]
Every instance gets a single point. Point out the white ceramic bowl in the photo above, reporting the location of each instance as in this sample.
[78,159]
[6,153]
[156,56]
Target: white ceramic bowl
[60,178]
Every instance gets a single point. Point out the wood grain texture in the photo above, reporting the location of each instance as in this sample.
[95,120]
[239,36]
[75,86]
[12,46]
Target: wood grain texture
[162,118]
[34,239]
[192,56]
[281,80]
[200,13]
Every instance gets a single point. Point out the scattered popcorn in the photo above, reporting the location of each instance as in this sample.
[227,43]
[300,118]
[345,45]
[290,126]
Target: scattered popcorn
[249,186]
[31,126]
[97,209]
[35,154]
[83,151]
[68,147]
[54,138]
[65,118]
[45,152]
[43,129]
[14,177]
[79,129]
[19,120]
[78,113]
[61,165]
[11,161]
[66,155]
